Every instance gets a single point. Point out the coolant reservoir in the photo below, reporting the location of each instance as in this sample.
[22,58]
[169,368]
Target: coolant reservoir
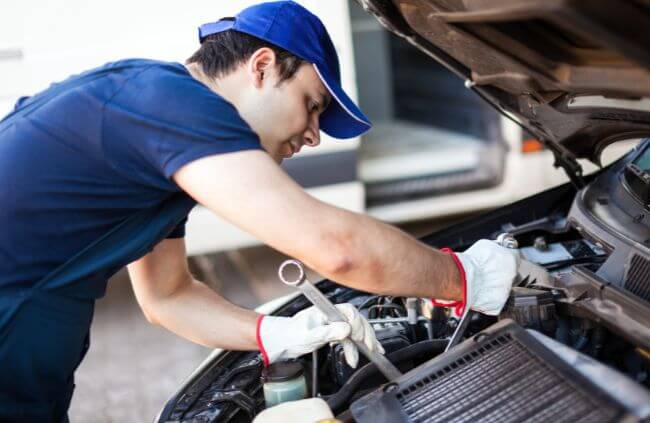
[283,381]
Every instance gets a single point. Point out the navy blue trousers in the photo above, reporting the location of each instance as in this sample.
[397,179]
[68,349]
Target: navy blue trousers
[43,338]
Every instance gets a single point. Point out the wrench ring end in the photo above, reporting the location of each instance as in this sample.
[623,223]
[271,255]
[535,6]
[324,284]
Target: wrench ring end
[301,274]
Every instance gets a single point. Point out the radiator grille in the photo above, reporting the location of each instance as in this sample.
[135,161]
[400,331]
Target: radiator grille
[637,280]
[500,381]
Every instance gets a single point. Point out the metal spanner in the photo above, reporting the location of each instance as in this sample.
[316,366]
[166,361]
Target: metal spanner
[333,314]
[505,240]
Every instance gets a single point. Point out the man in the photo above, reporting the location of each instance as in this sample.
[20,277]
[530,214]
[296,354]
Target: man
[98,172]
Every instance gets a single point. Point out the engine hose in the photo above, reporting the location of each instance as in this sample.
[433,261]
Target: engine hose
[341,398]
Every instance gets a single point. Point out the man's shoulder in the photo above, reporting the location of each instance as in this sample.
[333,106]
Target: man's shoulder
[151,73]
[166,82]
[175,118]
[145,69]
[136,63]
[171,93]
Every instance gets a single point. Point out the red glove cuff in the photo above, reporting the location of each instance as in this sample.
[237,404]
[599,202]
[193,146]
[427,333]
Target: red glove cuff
[258,338]
[459,306]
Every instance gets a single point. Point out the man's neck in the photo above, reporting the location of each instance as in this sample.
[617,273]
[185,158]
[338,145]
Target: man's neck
[222,86]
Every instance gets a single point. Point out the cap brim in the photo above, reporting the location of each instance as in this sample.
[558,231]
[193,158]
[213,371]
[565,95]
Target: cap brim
[342,118]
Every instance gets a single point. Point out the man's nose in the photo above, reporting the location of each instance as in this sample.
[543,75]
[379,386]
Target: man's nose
[312,134]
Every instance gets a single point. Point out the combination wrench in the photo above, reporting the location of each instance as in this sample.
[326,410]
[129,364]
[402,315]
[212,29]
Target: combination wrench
[333,314]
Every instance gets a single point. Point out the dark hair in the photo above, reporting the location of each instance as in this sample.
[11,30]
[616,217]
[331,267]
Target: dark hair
[222,52]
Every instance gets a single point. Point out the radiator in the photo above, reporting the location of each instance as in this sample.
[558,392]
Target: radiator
[501,375]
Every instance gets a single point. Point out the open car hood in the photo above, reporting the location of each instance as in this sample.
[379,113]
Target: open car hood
[574,73]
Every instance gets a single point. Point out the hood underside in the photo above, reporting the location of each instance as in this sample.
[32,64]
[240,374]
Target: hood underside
[574,73]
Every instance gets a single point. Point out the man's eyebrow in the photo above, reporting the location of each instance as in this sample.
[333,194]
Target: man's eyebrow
[325,100]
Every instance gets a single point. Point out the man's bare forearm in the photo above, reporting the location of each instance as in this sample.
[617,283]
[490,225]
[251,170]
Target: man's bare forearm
[199,314]
[383,259]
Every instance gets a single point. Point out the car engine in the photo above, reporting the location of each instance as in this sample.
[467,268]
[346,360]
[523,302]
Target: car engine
[571,344]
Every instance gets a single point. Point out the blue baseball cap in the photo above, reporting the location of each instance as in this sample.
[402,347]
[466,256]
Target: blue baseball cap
[290,26]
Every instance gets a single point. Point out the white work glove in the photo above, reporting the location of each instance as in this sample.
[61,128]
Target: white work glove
[490,270]
[281,338]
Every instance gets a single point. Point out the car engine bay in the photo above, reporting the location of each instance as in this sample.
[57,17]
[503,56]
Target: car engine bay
[571,344]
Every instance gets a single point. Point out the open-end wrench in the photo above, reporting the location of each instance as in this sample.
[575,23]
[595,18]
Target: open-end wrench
[505,240]
[333,314]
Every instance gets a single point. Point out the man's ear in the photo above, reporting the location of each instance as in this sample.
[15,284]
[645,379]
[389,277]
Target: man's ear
[261,65]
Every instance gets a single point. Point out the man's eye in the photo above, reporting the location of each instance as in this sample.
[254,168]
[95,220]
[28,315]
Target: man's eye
[313,106]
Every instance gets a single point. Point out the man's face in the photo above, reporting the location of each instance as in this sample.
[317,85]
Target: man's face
[285,114]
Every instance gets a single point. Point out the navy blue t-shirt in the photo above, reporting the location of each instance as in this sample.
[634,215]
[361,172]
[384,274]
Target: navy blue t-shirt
[87,153]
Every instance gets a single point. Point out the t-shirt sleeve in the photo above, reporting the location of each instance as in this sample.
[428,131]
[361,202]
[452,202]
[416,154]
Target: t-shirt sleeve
[178,231]
[162,119]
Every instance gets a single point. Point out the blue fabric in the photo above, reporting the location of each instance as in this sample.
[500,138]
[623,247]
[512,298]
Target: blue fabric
[47,340]
[289,25]
[44,330]
[86,166]
[87,153]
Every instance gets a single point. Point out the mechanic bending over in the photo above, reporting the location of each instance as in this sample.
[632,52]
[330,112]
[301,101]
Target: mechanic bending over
[101,170]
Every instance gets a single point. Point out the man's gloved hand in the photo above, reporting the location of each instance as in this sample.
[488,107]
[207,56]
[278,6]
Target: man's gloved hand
[281,338]
[489,271]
